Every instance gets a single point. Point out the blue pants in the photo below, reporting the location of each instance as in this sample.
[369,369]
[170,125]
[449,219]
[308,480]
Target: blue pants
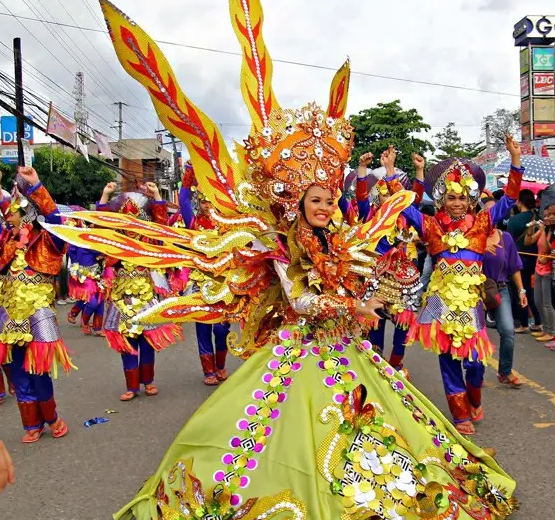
[212,353]
[35,393]
[94,307]
[462,395]
[505,326]
[377,338]
[139,369]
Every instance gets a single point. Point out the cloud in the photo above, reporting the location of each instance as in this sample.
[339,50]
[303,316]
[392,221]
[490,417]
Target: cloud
[461,42]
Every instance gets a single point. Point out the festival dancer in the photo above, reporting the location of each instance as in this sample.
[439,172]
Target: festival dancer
[86,288]
[131,290]
[212,339]
[6,370]
[452,319]
[30,339]
[315,425]
[401,237]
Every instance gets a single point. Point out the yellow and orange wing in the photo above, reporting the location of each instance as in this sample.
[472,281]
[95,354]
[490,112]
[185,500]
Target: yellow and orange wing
[216,172]
[152,230]
[384,220]
[191,308]
[156,256]
[256,72]
[339,91]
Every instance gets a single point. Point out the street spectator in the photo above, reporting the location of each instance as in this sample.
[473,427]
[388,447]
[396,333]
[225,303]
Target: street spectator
[7,473]
[517,227]
[536,234]
[501,263]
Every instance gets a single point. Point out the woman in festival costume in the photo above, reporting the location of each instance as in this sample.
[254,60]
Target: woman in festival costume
[132,289]
[452,320]
[398,244]
[4,234]
[315,425]
[86,287]
[30,339]
[5,370]
[212,339]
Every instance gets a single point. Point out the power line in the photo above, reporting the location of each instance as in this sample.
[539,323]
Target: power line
[73,54]
[288,62]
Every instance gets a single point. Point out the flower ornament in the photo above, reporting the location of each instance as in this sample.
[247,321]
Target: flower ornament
[458,176]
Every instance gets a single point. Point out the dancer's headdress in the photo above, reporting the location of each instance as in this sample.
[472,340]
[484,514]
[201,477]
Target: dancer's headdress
[456,176]
[131,203]
[287,150]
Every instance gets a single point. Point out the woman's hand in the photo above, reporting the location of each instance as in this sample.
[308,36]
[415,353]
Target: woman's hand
[363,163]
[513,147]
[523,300]
[388,160]
[110,188]
[29,174]
[369,307]
[151,190]
[107,192]
[366,159]
[7,473]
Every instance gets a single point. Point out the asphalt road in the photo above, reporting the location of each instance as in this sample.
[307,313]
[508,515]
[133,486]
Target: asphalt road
[94,471]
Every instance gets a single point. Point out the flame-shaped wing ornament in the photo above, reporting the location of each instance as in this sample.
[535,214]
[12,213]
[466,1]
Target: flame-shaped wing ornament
[192,308]
[339,91]
[217,174]
[380,225]
[156,256]
[152,230]
[256,72]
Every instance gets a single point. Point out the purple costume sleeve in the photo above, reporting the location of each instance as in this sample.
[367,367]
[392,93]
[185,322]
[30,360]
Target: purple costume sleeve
[185,207]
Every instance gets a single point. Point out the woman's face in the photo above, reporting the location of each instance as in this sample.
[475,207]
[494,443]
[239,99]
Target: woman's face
[204,207]
[318,206]
[456,204]
[549,216]
[14,219]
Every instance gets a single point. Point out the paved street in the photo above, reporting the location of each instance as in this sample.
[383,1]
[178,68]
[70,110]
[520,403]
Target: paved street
[92,472]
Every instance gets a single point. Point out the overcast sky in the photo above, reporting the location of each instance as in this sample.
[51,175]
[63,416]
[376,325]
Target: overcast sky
[460,42]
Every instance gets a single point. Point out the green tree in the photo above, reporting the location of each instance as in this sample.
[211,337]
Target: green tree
[450,144]
[72,180]
[501,123]
[389,124]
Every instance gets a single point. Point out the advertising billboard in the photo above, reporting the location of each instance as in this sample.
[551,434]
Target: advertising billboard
[525,60]
[524,86]
[525,111]
[543,58]
[544,130]
[526,132]
[544,110]
[8,126]
[544,84]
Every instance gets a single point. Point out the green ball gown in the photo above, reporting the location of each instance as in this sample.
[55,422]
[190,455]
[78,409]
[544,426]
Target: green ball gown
[318,426]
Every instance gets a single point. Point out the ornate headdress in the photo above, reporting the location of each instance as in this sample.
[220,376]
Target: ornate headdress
[18,202]
[454,176]
[380,187]
[299,149]
[131,203]
[287,151]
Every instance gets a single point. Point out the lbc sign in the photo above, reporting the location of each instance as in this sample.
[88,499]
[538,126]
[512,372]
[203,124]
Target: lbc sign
[535,30]
[9,130]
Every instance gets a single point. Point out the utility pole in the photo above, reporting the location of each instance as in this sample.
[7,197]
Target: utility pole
[175,160]
[488,136]
[18,75]
[81,114]
[119,122]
